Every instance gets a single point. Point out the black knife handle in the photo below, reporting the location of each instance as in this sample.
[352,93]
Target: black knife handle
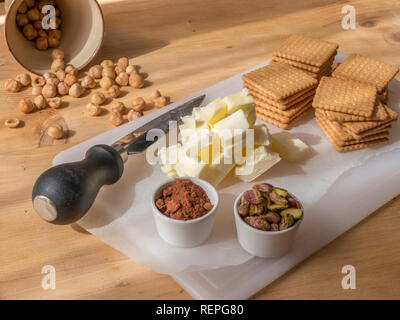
[63,194]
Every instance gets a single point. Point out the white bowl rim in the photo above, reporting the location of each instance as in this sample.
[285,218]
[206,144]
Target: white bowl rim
[194,180]
[270,233]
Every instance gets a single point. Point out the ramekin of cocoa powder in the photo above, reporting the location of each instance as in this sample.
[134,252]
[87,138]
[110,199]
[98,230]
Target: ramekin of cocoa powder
[184,211]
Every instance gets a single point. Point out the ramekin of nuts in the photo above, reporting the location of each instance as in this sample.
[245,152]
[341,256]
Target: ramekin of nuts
[28,39]
[184,211]
[267,219]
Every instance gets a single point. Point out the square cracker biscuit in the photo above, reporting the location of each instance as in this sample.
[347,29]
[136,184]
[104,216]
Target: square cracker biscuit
[282,125]
[305,67]
[279,80]
[279,117]
[360,68]
[306,50]
[345,96]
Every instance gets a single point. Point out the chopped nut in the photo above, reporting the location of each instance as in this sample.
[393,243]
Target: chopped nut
[76,90]
[109,72]
[12,85]
[63,89]
[122,79]
[118,107]
[57,64]
[161,102]
[138,104]
[114,91]
[49,91]
[42,43]
[70,79]
[98,98]
[12,123]
[57,54]
[26,106]
[93,110]
[107,63]
[133,115]
[116,119]
[38,82]
[55,103]
[37,91]
[136,81]
[40,102]
[88,82]
[96,71]
[106,83]
[29,32]
[56,132]
[123,63]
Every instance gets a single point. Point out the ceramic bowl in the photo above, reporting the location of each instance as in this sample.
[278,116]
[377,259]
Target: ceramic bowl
[190,233]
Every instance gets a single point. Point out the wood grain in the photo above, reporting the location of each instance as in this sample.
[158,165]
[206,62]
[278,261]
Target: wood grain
[184,46]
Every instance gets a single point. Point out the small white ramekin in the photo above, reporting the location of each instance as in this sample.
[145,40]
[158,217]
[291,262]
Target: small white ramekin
[264,244]
[190,233]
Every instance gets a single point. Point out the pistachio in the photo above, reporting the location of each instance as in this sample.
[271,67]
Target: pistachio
[286,222]
[293,203]
[273,217]
[243,209]
[264,188]
[277,199]
[256,209]
[253,196]
[274,227]
[258,223]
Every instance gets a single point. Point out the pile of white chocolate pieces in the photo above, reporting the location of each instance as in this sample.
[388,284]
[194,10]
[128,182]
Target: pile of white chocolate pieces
[218,138]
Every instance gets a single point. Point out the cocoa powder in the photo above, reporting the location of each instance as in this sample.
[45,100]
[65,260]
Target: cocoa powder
[184,200]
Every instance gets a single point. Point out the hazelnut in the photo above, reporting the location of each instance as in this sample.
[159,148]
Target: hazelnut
[58,22]
[12,85]
[133,115]
[36,90]
[118,70]
[22,20]
[56,33]
[54,103]
[93,110]
[88,82]
[60,74]
[33,14]
[96,71]
[72,70]
[42,34]
[49,75]
[30,3]
[106,83]
[109,72]
[42,43]
[38,82]
[98,98]
[107,63]
[130,69]
[76,90]
[41,3]
[53,42]
[56,132]
[29,32]
[26,106]
[38,25]
[116,119]
[138,104]
[57,54]
[114,91]
[12,123]
[70,79]
[122,79]
[62,89]
[123,63]
[22,7]
[57,64]
[136,81]
[54,81]
[118,107]
[161,102]
[49,90]
[40,102]
[156,94]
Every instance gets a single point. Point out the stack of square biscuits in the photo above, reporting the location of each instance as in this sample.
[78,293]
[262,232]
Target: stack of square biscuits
[351,115]
[310,55]
[282,93]
[370,71]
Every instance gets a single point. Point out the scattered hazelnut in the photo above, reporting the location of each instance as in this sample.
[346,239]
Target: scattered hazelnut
[130,69]
[29,32]
[62,89]
[60,75]
[33,14]
[119,70]
[56,33]
[38,82]
[138,104]
[49,75]
[40,102]
[12,85]
[114,91]
[107,63]
[57,54]
[54,103]
[122,79]
[123,63]
[71,70]
[58,22]
[136,81]
[156,94]
[70,79]
[26,106]
[53,42]
[116,119]
[96,71]
[106,83]
[42,34]
[38,25]
[118,107]
[76,90]
[22,20]
[57,64]
[42,43]
[49,90]
[30,3]
[56,132]
[54,81]
[98,98]
[88,82]
[36,90]
[161,102]
[23,7]
[93,110]
[109,72]
[133,115]
[12,123]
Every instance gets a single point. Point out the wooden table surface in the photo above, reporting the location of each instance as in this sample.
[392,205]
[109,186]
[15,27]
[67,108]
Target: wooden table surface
[184,46]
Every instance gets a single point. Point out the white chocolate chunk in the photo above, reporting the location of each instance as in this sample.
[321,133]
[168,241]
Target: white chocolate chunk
[261,135]
[288,146]
[238,100]
[214,112]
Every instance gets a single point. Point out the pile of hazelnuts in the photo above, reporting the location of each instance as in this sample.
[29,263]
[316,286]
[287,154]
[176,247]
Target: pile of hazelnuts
[29,20]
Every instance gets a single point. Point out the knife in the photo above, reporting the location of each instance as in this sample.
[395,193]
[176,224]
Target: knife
[64,194]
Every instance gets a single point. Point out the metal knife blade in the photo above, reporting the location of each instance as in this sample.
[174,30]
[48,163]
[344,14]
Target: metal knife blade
[138,141]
